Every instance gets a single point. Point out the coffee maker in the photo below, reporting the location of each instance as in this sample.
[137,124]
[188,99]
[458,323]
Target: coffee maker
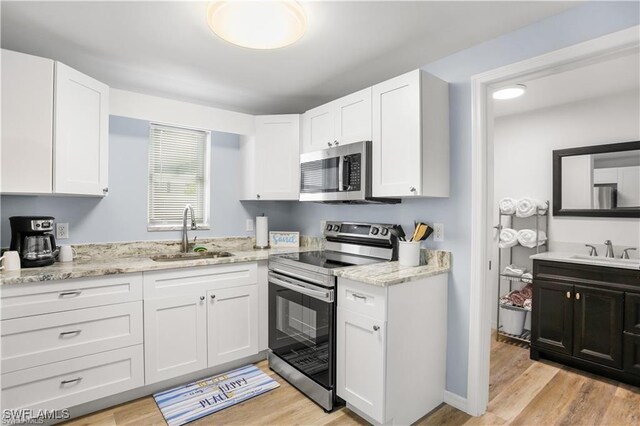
[31,237]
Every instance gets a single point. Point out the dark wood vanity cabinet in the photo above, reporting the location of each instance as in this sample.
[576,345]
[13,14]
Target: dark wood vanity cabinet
[587,317]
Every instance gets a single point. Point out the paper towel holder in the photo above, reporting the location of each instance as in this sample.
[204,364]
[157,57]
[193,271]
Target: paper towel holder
[267,245]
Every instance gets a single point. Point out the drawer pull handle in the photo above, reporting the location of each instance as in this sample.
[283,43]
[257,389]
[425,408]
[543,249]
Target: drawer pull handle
[568,295]
[66,333]
[201,297]
[70,293]
[66,382]
[359,296]
[213,296]
[376,327]
[577,296]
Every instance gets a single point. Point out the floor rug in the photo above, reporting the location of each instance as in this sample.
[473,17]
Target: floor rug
[187,403]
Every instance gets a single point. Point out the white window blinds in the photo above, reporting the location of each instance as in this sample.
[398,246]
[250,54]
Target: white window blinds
[178,175]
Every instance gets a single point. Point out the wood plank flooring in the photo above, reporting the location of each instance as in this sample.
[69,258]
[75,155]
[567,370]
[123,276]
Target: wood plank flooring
[521,392]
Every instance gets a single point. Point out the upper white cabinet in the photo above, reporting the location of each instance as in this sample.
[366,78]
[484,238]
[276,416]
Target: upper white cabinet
[81,133]
[271,159]
[343,121]
[55,125]
[411,136]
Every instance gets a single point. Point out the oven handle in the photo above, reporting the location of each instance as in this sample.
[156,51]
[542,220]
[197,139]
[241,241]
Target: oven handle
[326,296]
[294,275]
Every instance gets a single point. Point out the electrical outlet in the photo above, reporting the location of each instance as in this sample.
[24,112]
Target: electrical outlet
[323,224]
[249,226]
[62,231]
[438,232]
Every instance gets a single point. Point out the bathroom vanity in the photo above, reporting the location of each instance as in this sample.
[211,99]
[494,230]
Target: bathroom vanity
[587,315]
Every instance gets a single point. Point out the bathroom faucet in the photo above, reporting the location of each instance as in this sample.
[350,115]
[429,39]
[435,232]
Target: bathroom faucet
[625,253]
[609,246]
[185,237]
[592,250]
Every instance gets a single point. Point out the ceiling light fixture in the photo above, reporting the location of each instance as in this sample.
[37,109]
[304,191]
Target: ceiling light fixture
[510,92]
[266,24]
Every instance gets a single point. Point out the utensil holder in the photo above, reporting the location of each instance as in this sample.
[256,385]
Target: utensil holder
[409,253]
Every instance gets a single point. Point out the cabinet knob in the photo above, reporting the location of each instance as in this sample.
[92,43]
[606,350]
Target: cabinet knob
[105,190]
[329,143]
[258,196]
[577,296]
[412,188]
[376,327]
[568,295]
[213,296]
[201,297]
[336,143]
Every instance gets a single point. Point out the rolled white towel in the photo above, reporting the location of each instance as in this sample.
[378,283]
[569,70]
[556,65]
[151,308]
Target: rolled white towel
[507,205]
[527,277]
[508,238]
[528,237]
[526,207]
[514,270]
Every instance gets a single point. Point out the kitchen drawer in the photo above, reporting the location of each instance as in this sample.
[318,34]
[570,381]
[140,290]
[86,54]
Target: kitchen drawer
[632,313]
[43,339]
[632,354]
[362,298]
[68,383]
[21,300]
[198,280]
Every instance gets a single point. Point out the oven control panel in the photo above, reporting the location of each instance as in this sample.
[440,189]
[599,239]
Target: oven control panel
[379,231]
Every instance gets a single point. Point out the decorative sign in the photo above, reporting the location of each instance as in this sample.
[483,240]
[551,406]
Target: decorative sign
[284,239]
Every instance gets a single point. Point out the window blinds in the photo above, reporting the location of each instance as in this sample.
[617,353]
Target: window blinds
[178,175]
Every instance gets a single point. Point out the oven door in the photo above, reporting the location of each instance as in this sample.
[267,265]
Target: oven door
[301,327]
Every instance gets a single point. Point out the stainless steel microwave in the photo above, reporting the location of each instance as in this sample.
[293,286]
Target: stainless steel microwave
[341,174]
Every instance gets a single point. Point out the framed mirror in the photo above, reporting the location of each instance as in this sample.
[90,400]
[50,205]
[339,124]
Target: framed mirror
[597,181]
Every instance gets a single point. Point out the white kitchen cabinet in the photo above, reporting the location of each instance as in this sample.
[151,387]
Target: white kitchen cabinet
[175,336]
[232,324]
[55,125]
[340,122]
[361,361]
[27,123]
[391,348]
[410,136]
[81,133]
[270,159]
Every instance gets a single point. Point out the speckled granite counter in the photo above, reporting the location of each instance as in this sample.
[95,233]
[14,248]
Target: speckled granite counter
[390,273]
[120,258]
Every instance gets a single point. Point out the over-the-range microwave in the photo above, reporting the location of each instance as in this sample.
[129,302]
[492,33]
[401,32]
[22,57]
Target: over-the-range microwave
[341,174]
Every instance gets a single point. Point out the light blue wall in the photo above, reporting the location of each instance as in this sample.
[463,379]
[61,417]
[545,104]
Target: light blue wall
[122,216]
[578,24]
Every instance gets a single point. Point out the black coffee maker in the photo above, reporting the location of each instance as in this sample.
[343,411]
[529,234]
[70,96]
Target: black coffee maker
[31,237]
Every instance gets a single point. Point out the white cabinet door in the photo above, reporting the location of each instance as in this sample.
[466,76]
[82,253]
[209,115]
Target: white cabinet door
[277,159]
[353,117]
[232,318]
[27,123]
[318,128]
[175,333]
[81,133]
[397,144]
[360,369]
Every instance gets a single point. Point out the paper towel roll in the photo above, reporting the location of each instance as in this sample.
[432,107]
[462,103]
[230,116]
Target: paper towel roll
[262,231]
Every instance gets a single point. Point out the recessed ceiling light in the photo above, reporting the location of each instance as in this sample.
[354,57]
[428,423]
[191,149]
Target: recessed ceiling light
[266,24]
[510,92]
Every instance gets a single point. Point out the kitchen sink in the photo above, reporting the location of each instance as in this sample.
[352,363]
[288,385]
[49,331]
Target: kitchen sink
[190,256]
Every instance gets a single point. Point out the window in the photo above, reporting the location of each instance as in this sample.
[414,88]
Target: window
[178,175]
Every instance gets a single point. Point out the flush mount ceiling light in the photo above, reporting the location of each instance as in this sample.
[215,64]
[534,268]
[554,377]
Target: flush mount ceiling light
[266,24]
[510,92]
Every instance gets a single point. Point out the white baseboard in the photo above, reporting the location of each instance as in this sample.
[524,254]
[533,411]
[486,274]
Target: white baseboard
[456,401]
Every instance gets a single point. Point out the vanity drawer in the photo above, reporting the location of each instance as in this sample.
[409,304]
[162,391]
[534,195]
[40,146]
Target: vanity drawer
[198,280]
[42,339]
[21,300]
[75,381]
[632,313]
[362,298]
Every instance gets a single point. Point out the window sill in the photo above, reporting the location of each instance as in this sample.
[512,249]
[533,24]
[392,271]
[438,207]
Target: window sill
[160,228]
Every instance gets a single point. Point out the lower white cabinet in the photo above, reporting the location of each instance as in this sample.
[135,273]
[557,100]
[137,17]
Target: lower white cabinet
[391,348]
[232,323]
[175,336]
[361,361]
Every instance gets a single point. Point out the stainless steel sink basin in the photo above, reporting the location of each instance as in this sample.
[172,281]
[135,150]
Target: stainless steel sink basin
[190,256]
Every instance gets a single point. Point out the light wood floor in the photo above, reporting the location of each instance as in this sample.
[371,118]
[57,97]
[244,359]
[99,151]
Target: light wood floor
[522,392]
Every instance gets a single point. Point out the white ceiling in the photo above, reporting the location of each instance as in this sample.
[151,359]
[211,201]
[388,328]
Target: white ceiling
[612,76]
[167,49]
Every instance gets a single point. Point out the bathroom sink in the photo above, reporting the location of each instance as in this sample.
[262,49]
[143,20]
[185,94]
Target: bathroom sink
[190,256]
[608,261]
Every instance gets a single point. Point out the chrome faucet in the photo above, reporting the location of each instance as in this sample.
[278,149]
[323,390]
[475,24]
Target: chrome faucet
[592,250]
[609,246]
[185,237]
[625,253]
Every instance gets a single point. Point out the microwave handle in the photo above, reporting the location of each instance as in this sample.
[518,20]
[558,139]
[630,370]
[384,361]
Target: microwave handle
[344,172]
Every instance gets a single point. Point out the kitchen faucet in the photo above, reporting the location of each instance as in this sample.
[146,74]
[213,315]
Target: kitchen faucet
[185,237]
[609,246]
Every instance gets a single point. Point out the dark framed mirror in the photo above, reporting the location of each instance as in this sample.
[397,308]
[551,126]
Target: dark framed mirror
[597,181]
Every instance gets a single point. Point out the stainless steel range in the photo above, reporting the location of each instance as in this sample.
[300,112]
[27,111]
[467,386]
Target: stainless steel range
[302,303]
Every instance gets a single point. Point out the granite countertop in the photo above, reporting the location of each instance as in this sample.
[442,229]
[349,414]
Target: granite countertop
[391,273]
[557,256]
[120,258]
